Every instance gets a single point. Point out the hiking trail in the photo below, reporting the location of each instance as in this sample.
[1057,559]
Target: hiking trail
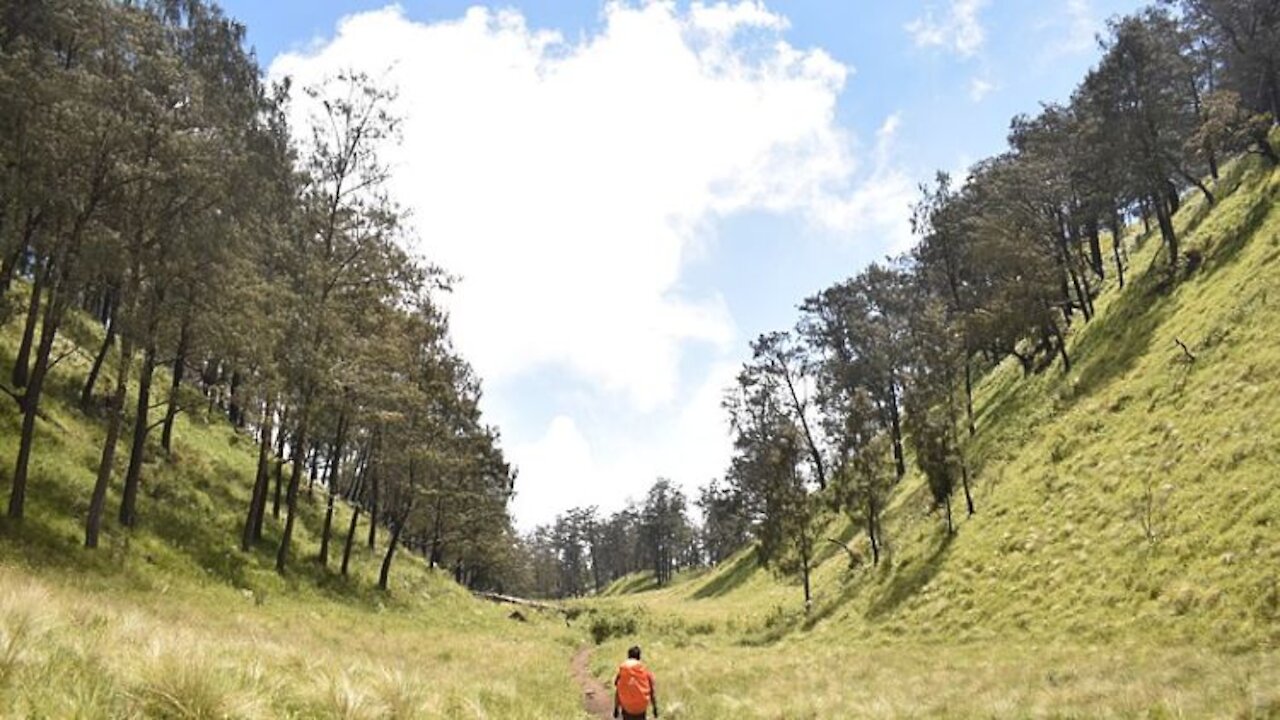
[595,696]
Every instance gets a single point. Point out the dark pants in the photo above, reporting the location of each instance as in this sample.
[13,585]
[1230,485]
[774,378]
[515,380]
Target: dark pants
[628,716]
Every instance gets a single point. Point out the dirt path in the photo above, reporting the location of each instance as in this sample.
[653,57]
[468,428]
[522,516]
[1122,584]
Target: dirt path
[596,698]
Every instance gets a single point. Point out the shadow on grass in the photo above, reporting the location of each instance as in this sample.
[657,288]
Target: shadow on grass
[737,573]
[1224,250]
[827,550]
[1111,345]
[909,577]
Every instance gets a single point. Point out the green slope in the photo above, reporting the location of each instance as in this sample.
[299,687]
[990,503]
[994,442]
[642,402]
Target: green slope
[1128,516]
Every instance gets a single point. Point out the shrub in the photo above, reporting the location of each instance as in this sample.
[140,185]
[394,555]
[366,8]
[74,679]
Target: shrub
[606,626]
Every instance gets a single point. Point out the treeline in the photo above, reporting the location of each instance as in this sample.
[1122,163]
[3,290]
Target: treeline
[583,551]
[152,184]
[881,367]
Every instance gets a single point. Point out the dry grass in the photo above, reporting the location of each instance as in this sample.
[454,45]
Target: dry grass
[65,654]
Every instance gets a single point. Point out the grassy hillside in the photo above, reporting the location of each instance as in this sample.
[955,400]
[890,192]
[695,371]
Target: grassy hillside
[172,620]
[1123,561]
[1125,557]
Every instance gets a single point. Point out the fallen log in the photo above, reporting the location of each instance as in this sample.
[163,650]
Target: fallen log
[511,600]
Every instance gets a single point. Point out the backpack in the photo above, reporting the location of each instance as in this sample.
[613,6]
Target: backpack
[634,689]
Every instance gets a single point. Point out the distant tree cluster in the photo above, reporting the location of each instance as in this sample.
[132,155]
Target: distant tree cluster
[582,552]
[881,367]
[149,182]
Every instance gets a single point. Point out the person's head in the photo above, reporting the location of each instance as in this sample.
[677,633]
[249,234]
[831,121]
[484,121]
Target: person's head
[633,653]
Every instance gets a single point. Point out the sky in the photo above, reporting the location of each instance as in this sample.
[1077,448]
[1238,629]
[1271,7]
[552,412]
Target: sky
[629,192]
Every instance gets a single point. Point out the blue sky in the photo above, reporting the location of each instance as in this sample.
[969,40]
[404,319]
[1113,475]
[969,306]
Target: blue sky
[631,192]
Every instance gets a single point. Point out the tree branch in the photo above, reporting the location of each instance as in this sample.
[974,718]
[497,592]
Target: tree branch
[1185,350]
[17,398]
[74,349]
[854,560]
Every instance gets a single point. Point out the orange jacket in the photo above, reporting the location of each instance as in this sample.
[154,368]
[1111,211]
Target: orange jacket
[634,685]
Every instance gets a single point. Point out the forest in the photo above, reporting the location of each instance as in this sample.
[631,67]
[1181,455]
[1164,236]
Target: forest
[154,187]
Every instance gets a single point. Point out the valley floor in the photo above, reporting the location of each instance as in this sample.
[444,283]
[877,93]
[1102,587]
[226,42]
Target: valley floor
[68,649]
[713,679]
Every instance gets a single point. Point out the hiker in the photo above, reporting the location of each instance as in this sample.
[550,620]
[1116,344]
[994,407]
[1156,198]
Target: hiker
[633,688]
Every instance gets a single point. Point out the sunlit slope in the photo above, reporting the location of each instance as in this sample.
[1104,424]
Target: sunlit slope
[191,506]
[173,620]
[1137,496]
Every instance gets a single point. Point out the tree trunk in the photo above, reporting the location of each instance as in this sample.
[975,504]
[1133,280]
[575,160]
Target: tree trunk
[275,502]
[86,393]
[12,259]
[312,470]
[22,363]
[258,502]
[964,482]
[351,536]
[1062,346]
[1273,91]
[968,395]
[814,454]
[1082,296]
[175,384]
[1068,307]
[1267,151]
[385,573]
[1167,232]
[951,528]
[1208,196]
[30,403]
[234,410]
[373,511]
[437,553]
[808,594]
[1024,360]
[1117,240]
[334,473]
[295,481]
[872,532]
[1095,248]
[138,450]
[115,421]
[895,428]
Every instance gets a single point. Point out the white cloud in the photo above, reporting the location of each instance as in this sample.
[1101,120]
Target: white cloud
[569,181]
[880,208]
[577,464]
[566,182]
[980,88]
[959,30]
[1075,31]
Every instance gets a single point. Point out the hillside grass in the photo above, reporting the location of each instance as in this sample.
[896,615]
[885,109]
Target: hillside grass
[172,620]
[1124,560]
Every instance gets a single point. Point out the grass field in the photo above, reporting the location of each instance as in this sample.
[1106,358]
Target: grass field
[1124,561]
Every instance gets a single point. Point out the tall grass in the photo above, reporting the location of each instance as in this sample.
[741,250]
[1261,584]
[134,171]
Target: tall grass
[66,654]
